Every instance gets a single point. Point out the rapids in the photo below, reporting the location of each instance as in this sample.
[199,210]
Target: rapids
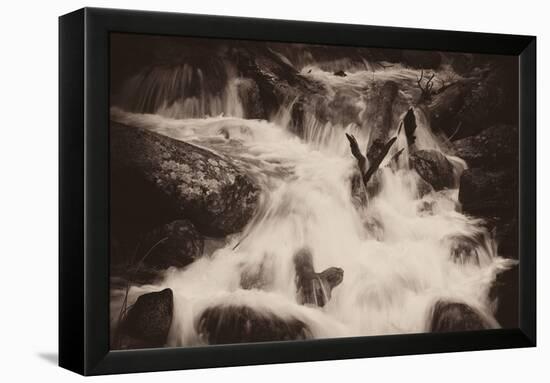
[394,250]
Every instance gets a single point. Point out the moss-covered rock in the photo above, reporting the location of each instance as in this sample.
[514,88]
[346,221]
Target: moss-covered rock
[178,180]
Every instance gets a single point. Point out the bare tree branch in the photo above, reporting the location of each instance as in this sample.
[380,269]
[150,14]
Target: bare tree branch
[427,88]
[354,146]
[376,155]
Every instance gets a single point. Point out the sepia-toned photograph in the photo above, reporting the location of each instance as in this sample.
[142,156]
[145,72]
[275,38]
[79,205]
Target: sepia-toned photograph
[267,191]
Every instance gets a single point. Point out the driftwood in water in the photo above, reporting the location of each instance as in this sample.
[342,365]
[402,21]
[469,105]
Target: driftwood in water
[381,124]
[426,89]
[375,154]
[314,288]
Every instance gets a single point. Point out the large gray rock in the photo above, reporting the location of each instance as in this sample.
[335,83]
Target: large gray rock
[454,316]
[505,293]
[244,324]
[434,168]
[488,193]
[494,147]
[158,179]
[147,322]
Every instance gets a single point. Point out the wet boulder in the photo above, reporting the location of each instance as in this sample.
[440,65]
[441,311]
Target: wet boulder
[495,147]
[277,79]
[506,233]
[485,97]
[244,324]
[147,322]
[488,193]
[505,295]
[314,288]
[175,244]
[157,178]
[455,316]
[340,73]
[434,168]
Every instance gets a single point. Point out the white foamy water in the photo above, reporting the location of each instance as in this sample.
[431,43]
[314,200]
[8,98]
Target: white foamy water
[395,251]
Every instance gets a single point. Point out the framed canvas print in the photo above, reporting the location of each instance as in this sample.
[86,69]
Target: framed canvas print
[241,191]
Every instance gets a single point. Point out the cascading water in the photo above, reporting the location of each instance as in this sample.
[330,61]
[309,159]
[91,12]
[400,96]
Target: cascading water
[395,251]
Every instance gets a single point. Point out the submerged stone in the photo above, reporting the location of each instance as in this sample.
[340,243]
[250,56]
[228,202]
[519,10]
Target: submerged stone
[434,168]
[455,316]
[147,321]
[244,324]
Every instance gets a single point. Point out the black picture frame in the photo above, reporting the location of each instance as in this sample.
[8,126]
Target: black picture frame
[84,190]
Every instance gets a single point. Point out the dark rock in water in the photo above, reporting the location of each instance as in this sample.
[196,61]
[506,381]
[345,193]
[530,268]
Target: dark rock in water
[183,181]
[314,288]
[423,187]
[488,97]
[243,324]
[454,316]
[175,244]
[493,196]
[434,168]
[506,234]
[340,73]
[487,193]
[277,80]
[147,322]
[493,148]
[505,293]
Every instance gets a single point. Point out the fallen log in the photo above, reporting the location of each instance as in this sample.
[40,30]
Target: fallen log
[375,155]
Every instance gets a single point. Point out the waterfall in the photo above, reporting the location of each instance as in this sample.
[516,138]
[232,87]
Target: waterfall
[396,251]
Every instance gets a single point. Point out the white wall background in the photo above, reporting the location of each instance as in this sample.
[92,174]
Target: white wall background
[28,188]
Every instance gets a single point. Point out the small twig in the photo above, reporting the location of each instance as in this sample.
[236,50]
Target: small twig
[124,307]
[456,130]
